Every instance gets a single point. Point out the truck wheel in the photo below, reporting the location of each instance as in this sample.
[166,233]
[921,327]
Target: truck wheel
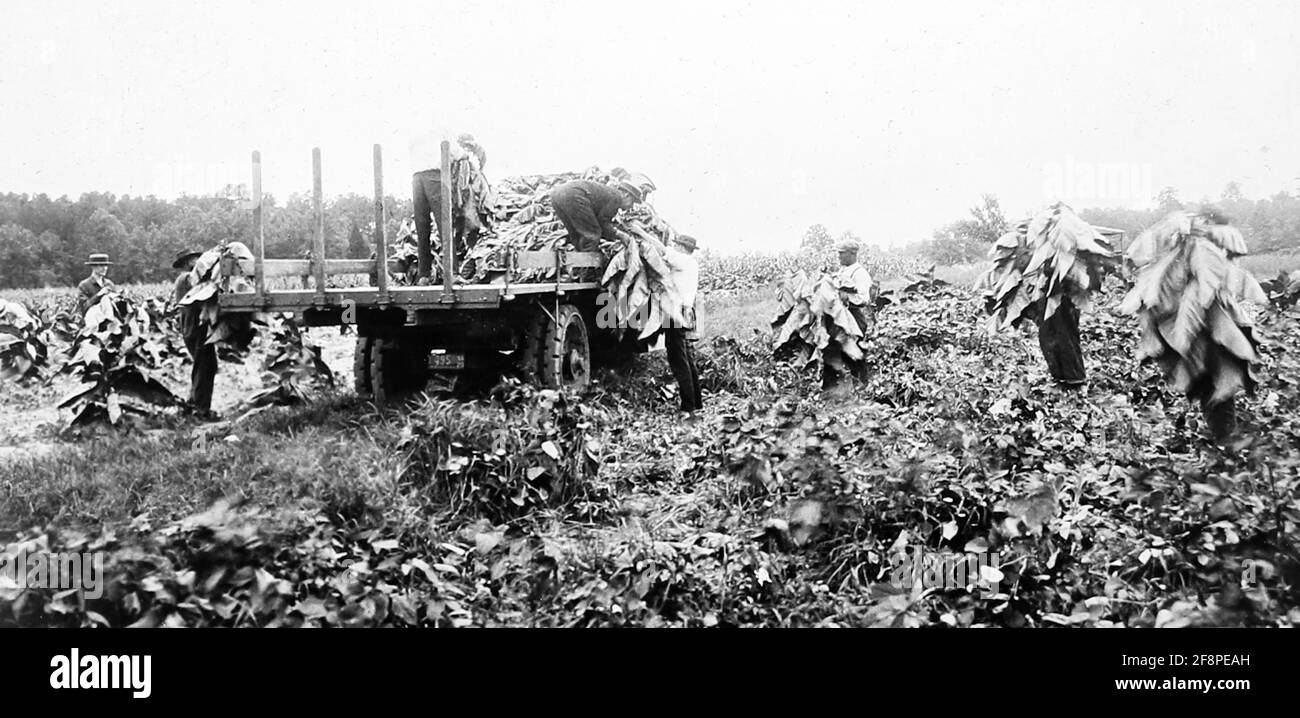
[361,366]
[568,359]
[396,370]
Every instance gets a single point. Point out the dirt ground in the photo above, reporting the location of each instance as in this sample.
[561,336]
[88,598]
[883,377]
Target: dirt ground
[30,419]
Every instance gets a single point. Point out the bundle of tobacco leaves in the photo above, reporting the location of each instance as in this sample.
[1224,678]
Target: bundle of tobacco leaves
[1189,298]
[814,326]
[1048,259]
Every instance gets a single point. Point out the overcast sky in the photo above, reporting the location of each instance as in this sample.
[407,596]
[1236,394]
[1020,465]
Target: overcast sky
[754,119]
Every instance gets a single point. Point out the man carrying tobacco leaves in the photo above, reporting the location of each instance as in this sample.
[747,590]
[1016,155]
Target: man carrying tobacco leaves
[195,332]
[857,292]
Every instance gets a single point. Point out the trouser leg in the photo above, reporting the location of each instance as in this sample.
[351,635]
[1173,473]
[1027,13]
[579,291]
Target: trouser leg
[1058,337]
[683,366]
[204,372]
[426,193]
[696,390]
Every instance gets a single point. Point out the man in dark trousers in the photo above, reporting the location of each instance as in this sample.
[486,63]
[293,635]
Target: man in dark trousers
[587,210]
[91,286]
[680,341]
[426,192]
[195,331]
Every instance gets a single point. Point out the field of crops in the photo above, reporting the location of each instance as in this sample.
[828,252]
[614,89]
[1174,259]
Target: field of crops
[778,505]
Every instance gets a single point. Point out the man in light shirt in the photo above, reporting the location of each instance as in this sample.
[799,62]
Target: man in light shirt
[425,155]
[853,279]
[857,292]
[685,274]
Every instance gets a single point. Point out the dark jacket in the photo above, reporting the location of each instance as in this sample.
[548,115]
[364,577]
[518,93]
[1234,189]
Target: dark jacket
[189,314]
[604,201]
[89,287]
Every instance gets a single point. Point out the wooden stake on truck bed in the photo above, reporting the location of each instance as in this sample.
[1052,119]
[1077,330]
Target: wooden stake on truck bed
[259,237]
[318,227]
[381,235]
[448,231]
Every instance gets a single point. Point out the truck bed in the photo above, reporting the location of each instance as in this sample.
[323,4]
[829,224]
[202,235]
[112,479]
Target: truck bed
[463,296]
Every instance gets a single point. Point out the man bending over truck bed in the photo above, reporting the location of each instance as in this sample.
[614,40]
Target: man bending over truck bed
[587,209]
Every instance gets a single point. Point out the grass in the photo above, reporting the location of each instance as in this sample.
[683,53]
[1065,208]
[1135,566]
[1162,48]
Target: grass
[281,458]
[1267,266]
[737,315]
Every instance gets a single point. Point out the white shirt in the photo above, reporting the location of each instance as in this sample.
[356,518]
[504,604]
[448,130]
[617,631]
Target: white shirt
[855,275]
[425,149]
[685,274]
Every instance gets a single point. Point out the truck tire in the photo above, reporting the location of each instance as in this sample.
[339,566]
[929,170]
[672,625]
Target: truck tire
[568,351]
[361,366]
[396,370]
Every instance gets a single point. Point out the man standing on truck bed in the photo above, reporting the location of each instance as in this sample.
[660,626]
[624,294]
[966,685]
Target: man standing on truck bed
[426,193]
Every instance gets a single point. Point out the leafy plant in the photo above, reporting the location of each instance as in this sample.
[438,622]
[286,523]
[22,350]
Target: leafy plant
[24,343]
[532,450]
[1284,289]
[292,367]
[116,356]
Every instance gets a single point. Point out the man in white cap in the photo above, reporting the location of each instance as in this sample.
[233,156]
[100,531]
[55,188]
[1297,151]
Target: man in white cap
[856,290]
[91,286]
[853,278]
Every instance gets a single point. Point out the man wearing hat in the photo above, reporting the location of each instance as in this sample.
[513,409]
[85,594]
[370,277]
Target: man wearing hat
[587,210]
[856,290]
[195,332]
[97,282]
[684,271]
[679,339]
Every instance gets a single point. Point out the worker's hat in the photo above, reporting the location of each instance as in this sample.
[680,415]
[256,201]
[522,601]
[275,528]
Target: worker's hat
[183,255]
[643,182]
[98,260]
[631,189]
[848,245]
[686,241]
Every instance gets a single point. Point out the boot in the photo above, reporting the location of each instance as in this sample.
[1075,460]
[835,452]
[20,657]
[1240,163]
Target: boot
[1221,418]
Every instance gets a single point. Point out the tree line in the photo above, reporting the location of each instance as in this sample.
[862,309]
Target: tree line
[1268,225]
[45,242]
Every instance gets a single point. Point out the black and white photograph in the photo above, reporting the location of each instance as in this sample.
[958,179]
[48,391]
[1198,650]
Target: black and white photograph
[698,315]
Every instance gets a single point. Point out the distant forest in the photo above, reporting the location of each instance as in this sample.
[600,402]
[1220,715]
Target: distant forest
[1268,224]
[45,242]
